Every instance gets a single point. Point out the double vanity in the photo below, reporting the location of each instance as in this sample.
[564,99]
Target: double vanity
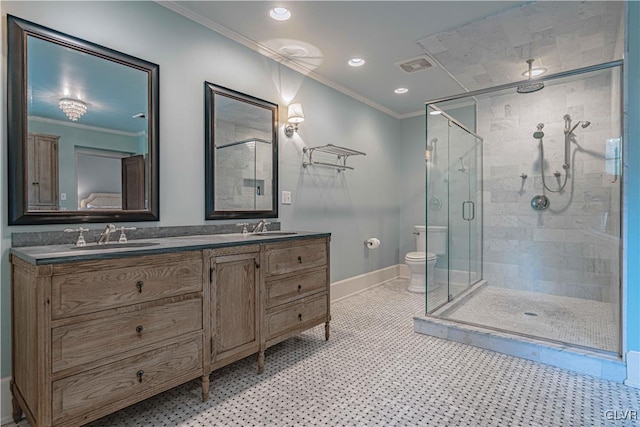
[96,329]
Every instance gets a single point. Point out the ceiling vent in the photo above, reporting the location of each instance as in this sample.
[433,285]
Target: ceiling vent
[413,65]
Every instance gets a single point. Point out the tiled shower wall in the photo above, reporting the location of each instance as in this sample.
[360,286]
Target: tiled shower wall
[570,249]
[243,171]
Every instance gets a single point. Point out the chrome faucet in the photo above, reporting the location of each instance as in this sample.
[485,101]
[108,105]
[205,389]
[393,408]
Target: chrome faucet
[259,226]
[104,237]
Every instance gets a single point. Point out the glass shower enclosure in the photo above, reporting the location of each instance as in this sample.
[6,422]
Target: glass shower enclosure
[527,179]
[454,201]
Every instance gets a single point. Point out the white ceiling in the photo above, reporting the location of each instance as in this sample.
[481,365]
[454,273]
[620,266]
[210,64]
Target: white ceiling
[322,36]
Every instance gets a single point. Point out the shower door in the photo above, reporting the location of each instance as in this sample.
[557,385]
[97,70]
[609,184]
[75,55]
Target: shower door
[465,209]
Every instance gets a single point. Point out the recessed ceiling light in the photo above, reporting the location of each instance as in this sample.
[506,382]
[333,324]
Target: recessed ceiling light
[280,13]
[535,72]
[357,62]
[401,90]
[435,112]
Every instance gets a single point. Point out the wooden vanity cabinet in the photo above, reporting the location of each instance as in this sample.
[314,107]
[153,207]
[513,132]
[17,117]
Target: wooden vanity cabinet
[296,288]
[264,294]
[92,337]
[235,303]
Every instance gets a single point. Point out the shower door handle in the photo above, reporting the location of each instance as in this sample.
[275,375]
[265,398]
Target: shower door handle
[472,206]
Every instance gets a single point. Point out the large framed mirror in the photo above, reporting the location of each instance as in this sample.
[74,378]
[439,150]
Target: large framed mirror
[241,169]
[82,128]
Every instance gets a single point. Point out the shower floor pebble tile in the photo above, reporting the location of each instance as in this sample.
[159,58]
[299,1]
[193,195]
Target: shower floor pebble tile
[375,371]
[571,320]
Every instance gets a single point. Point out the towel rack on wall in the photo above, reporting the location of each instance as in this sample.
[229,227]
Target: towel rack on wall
[341,152]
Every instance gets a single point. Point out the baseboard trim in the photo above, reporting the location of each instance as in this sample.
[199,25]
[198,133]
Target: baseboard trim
[6,409]
[633,369]
[354,285]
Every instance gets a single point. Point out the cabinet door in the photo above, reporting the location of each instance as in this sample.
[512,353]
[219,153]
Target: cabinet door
[42,173]
[234,305]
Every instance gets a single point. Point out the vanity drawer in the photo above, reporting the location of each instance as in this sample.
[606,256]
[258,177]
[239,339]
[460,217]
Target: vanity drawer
[127,381]
[297,257]
[297,316]
[84,288]
[92,340]
[281,291]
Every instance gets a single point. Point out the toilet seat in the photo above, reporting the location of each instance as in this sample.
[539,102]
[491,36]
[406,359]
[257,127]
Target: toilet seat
[420,256]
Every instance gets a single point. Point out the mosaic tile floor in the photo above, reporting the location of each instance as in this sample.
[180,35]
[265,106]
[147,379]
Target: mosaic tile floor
[571,320]
[375,371]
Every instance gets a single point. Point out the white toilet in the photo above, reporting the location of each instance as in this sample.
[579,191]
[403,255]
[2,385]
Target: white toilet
[422,262]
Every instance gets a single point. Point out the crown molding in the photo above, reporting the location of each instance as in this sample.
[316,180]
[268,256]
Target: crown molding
[271,54]
[86,127]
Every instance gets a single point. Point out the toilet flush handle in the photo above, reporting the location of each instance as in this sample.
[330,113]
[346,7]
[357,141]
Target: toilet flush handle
[416,233]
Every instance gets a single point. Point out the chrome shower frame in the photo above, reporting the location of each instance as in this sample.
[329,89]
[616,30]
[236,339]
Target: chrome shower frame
[432,104]
[603,66]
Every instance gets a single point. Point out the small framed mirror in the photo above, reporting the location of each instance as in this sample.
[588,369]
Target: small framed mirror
[83,130]
[241,169]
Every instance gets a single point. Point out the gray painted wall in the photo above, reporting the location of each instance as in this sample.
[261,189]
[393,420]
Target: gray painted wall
[353,205]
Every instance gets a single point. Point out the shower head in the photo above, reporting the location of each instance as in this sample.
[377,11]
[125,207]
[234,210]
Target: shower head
[530,87]
[583,124]
[538,135]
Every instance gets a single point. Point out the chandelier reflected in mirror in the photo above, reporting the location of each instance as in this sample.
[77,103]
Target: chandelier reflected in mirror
[73,108]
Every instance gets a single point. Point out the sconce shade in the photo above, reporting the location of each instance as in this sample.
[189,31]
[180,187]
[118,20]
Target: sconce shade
[295,113]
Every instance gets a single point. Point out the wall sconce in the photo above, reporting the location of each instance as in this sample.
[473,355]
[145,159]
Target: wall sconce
[295,116]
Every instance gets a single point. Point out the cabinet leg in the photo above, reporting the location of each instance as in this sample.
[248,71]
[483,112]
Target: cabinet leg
[261,361]
[205,387]
[326,331]
[17,410]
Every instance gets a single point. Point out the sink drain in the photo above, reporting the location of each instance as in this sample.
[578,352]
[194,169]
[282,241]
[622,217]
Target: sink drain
[528,313]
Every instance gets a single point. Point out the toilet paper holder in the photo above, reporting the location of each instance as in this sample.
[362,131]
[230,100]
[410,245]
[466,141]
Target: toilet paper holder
[372,243]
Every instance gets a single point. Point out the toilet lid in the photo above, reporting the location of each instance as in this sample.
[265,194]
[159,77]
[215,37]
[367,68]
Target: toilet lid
[420,256]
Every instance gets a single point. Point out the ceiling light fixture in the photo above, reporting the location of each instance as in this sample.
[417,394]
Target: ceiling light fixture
[401,90]
[357,62]
[73,108]
[435,112]
[533,72]
[280,14]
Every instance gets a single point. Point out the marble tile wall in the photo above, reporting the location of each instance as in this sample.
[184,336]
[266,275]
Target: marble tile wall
[239,167]
[570,249]
[558,35]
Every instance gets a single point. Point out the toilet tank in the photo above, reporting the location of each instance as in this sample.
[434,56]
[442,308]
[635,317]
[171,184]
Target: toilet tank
[437,239]
[421,237]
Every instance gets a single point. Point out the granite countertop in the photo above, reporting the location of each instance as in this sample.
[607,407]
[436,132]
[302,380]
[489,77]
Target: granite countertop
[57,254]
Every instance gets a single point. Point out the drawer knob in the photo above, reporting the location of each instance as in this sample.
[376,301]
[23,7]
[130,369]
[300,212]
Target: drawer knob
[139,285]
[299,288]
[139,374]
[300,317]
[139,329]
[299,259]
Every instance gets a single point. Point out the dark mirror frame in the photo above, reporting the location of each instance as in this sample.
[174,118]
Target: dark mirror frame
[210,90]
[18,30]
